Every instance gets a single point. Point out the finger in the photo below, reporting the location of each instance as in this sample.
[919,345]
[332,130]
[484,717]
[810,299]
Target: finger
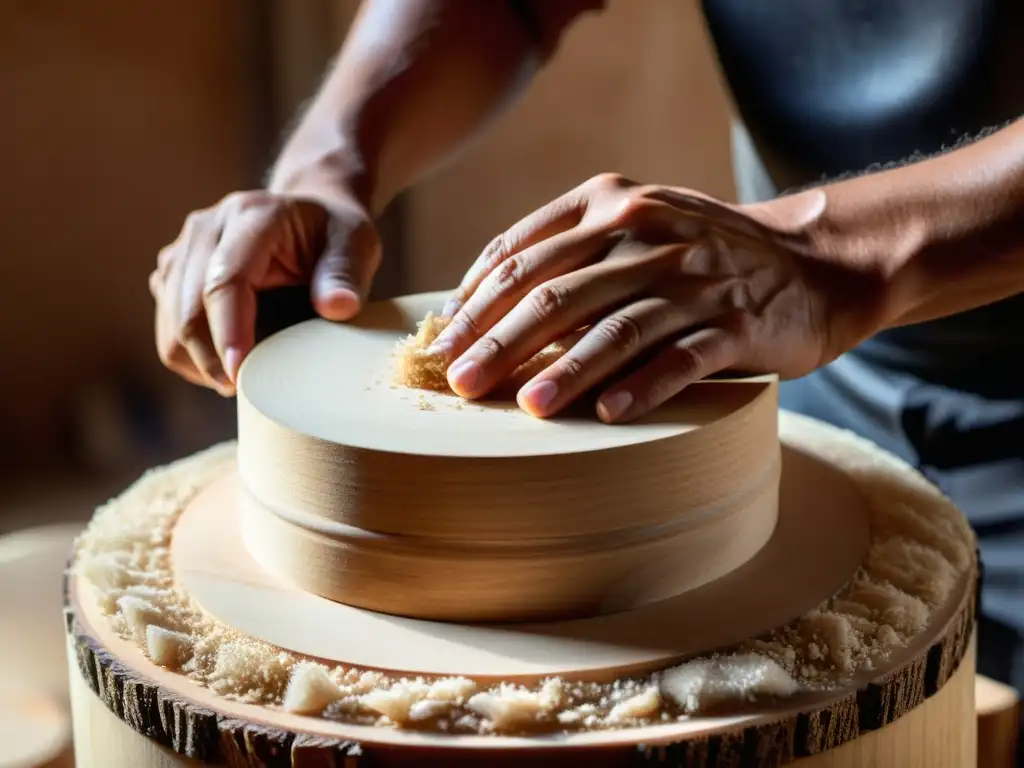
[684,361]
[607,347]
[174,356]
[555,217]
[343,274]
[506,286]
[171,293]
[183,286]
[242,262]
[521,376]
[548,312]
[196,340]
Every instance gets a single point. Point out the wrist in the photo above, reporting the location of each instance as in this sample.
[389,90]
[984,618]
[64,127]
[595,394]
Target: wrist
[845,258]
[326,166]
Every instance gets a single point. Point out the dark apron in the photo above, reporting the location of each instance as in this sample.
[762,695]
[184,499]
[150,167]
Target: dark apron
[826,88]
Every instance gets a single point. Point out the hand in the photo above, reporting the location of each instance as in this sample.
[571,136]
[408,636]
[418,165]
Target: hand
[206,281]
[669,285]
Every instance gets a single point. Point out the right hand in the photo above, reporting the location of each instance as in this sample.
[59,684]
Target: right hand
[206,281]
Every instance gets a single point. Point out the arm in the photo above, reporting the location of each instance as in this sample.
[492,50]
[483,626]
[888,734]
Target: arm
[678,286]
[414,81]
[933,238]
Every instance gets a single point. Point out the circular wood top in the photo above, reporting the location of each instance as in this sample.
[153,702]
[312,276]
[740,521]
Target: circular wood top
[334,382]
[422,504]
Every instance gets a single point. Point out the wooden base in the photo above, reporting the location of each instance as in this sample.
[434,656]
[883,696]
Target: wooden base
[938,733]
[177,713]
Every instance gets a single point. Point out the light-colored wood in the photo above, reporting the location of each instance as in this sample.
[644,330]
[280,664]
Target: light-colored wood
[393,499]
[102,740]
[32,564]
[214,567]
[200,725]
[35,729]
[919,715]
[999,723]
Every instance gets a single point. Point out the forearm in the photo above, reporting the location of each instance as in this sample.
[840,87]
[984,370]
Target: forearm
[936,237]
[414,81]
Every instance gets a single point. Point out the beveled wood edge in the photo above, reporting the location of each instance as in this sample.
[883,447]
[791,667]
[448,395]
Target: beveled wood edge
[202,734]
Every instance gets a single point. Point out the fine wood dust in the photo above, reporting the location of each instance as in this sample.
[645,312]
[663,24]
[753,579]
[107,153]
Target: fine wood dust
[921,548]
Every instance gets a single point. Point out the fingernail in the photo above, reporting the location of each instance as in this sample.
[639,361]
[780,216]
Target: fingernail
[338,301]
[539,395]
[611,407]
[232,362]
[464,375]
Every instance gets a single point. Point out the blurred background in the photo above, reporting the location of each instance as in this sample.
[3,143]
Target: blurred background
[120,117]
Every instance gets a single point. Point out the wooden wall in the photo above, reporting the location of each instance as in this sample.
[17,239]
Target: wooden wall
[634,90]
[120,117]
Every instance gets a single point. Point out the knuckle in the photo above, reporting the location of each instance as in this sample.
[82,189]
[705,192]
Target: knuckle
[496,250]
[570,367]
[466,325]
[608,181]
[547,301]
[507,276]
[621,332]
[194,219]
[489,346]
[686,361]
[218,277]
[634,209]
[167,353]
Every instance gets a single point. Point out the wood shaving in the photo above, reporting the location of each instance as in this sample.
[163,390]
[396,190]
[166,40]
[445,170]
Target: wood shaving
[417,367]
[920,548]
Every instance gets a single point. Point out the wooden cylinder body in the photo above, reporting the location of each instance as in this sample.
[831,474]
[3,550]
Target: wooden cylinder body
[420,504]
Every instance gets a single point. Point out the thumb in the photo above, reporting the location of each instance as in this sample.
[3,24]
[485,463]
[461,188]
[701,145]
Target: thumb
[343,275]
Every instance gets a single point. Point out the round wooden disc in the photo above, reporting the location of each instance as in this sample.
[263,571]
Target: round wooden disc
[172,710]
[770,589]
[407,502]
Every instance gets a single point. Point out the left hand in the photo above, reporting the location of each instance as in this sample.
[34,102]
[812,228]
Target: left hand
[671,286]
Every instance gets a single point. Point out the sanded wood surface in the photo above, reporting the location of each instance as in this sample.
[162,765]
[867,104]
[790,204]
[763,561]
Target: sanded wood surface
[214,567]
[396,500]
[192,721]
[870,720]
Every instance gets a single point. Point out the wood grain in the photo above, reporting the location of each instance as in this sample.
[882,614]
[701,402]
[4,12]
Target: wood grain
[214,567]
[172,718]
[400,501]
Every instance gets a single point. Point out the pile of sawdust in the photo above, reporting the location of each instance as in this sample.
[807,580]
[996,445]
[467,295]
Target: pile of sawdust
[418,367]
[921,547]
